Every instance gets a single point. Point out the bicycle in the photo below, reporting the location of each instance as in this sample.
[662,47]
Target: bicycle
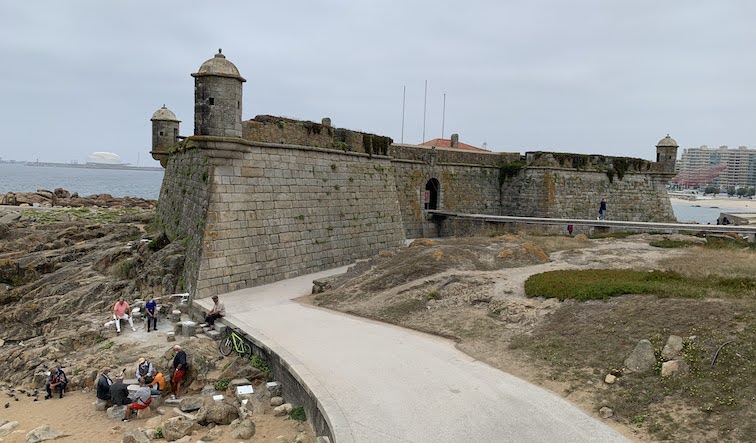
[234,342]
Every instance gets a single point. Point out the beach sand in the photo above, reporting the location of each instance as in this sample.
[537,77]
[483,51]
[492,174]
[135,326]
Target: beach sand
[736,203]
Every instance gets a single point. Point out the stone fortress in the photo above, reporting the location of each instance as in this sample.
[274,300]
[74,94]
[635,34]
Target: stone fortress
[271,198]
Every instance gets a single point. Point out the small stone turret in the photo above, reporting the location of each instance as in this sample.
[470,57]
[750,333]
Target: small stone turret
[218,98]
[165,132]
[666,153]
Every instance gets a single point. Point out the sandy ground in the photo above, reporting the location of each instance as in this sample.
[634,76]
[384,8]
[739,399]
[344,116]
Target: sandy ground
[75,415]
[739,203]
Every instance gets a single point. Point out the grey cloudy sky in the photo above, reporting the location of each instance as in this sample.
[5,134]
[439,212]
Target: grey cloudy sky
[604,77]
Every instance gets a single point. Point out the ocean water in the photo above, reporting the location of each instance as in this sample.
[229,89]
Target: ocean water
[116,182]
[687,212]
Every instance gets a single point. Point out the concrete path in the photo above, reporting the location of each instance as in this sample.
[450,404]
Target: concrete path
[382,383]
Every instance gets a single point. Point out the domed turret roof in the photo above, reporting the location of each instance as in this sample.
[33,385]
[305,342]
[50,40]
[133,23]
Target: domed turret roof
[218,66]
[164,114]
[667,142]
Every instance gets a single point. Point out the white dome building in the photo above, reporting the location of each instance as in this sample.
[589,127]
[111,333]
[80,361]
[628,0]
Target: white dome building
[104,158]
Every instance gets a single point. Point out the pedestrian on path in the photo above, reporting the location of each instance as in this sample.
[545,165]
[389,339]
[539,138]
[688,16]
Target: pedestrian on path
[602,210]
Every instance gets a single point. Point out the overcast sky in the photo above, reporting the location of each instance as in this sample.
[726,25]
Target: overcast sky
[599,77]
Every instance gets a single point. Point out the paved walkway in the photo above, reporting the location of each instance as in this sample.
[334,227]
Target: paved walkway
[382,383]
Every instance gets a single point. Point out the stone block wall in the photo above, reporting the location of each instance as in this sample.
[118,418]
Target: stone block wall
[463,188]
[281,130]
[569,193]
[279,212]
[182,208]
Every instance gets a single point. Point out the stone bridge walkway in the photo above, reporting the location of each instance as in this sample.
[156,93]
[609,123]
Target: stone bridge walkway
[381,383]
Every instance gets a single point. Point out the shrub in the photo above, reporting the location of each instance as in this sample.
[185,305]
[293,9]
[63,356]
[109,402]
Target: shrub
[222,384]
[298,414]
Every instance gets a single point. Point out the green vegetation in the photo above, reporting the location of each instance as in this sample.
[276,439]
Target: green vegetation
[510,170]
[596,284]
[122,269]
[260,364]
[91,215]
[158,433]
[433,295]
[222,384]
[107,346]
[667,243]
[298,414]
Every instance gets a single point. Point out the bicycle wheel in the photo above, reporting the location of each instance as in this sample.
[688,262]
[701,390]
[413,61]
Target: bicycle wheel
[246,350]
[224,346]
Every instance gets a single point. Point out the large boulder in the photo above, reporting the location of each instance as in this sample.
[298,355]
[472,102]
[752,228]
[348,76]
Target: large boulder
[218,412]
[245,430]
[675,368]
[642,358]
[178,427]
[190,404]
[7,428]
[134,436]
[43,433]
[673,348]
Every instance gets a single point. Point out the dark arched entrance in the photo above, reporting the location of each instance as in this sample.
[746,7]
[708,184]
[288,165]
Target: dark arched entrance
[432,190]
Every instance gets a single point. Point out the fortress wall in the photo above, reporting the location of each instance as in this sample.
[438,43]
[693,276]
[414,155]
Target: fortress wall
[456,156]
[279,212]
[183,202]
[569,193]
[464,188]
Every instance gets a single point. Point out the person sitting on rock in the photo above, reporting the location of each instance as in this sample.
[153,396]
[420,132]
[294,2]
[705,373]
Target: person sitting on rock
[150,309]
[122,311]
[57,379]
[119,392]
[144,368]
[142,399]
[158,383]
[218,311]
[103,384]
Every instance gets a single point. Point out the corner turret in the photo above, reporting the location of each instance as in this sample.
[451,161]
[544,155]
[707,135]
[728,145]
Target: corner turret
[666,153]
[165,133]
[218,98]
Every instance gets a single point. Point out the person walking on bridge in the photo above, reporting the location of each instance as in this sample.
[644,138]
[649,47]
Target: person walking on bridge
[602,210]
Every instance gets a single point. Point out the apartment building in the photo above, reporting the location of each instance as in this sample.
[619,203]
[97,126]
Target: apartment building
[703,164]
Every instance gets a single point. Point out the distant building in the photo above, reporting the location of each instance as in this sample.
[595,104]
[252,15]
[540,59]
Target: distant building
[104,158]
[453,143]
[739,165]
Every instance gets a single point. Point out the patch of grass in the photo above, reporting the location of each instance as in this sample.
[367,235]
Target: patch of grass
[122,269]
[667,243]
[107,346]
[613,235]
[260,364]
[432,295]
[222,384]
[298,414]
[158,433]
[397,311]
[597,284]
[722,259]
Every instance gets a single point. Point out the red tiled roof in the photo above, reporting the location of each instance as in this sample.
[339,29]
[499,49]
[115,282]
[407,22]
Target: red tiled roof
[446,143]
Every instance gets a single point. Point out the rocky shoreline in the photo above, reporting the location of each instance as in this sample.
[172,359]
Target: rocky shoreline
[63,198]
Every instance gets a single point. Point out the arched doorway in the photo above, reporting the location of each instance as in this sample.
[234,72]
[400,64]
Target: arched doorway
[432,190]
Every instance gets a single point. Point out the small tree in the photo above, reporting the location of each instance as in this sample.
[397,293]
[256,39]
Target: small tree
[742,191]
[711,189]
[751,191]
[731,190]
